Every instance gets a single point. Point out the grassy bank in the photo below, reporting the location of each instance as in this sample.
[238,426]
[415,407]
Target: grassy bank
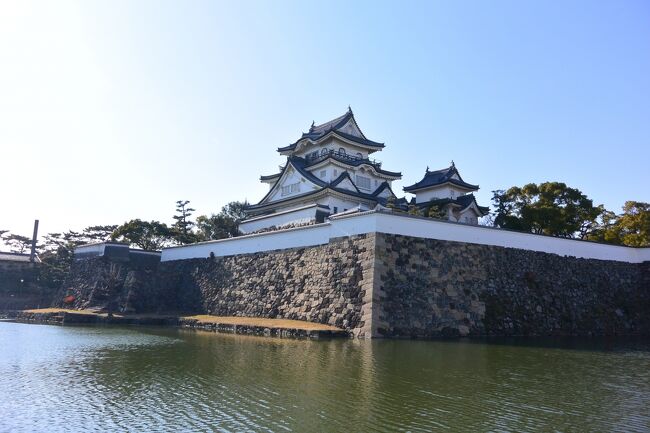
[227,324]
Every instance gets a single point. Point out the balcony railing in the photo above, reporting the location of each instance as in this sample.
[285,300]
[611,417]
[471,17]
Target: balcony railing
[312,159]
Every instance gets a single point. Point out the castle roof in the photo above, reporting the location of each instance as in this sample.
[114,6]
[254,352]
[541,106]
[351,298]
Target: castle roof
[317,132]
[440,177]
[462,201]
[350,161]
[300,164]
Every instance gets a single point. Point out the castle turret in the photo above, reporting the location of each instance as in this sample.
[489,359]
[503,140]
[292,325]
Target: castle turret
[446,190]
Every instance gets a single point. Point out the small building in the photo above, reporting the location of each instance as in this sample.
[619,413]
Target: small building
[15,261]
[116,252]
[446,190]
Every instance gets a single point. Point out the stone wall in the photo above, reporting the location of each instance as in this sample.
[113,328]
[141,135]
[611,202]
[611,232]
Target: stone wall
[430,288]
[20,287]
[121,286]
[326,284]
[386,286]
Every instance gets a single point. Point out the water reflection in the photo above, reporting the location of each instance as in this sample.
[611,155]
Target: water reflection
[119,379]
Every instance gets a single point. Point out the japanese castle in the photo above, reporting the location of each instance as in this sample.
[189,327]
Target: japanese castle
[329,171]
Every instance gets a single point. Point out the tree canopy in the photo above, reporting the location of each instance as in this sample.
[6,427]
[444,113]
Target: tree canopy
[550,208]
[148,235]
[225,224]
[17,243]
[632,227]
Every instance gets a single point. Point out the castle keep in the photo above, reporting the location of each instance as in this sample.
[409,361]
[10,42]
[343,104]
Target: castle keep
[328,171]
[330,243]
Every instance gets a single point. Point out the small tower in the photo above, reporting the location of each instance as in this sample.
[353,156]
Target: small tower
[447,191]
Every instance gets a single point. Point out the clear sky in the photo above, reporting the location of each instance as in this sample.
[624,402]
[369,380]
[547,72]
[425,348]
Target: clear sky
[114,110]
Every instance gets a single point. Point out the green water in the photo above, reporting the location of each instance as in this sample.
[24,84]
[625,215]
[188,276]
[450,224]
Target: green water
[140,379]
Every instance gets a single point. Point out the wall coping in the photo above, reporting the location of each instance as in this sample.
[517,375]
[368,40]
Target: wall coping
[499,229]
[381,221]
[262,217]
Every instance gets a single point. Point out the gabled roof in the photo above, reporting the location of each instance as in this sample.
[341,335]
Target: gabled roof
[342,177]
[353,162]
[462,201]
[384,185]
[270,177]
[299,165]
[440,177]
[317,132]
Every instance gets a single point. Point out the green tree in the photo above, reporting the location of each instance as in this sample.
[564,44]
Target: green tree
[550,208]
[414,210]
[236,210]
[18,243]
[148,235]
[56,254]
[631,228]
[435,211]
[223,225]
[634,224]
[98,233]
[216,226]
[183,226]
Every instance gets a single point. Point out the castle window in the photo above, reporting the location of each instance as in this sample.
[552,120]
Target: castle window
[342,151]
[336,209]
[336,173]
[323,151]
[363,182]
[323,173]
[359,155]
[290,189]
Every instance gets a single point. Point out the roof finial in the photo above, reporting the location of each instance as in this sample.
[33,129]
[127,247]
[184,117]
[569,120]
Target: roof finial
[452,164]
[349,108]
[311,128]
[427,168]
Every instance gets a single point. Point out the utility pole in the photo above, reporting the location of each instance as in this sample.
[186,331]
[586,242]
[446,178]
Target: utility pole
[32,254]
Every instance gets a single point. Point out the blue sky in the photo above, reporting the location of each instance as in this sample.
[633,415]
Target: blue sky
[122,108]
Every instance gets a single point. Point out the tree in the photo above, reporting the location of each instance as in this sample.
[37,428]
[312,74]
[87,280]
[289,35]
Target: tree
[183,226]
[18,243]
[57,251]
[634,224]
[413,210]
[99,233]
[236,210]
[216,226]
[223,225]
[631,228]
[550,208]
[435,211]
[148,235]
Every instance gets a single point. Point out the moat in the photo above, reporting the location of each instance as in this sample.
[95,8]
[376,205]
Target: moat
[95,378]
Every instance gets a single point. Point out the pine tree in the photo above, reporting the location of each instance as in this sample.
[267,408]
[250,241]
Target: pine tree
[183,226]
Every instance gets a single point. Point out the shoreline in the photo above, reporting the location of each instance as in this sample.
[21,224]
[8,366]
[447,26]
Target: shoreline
[281,328]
